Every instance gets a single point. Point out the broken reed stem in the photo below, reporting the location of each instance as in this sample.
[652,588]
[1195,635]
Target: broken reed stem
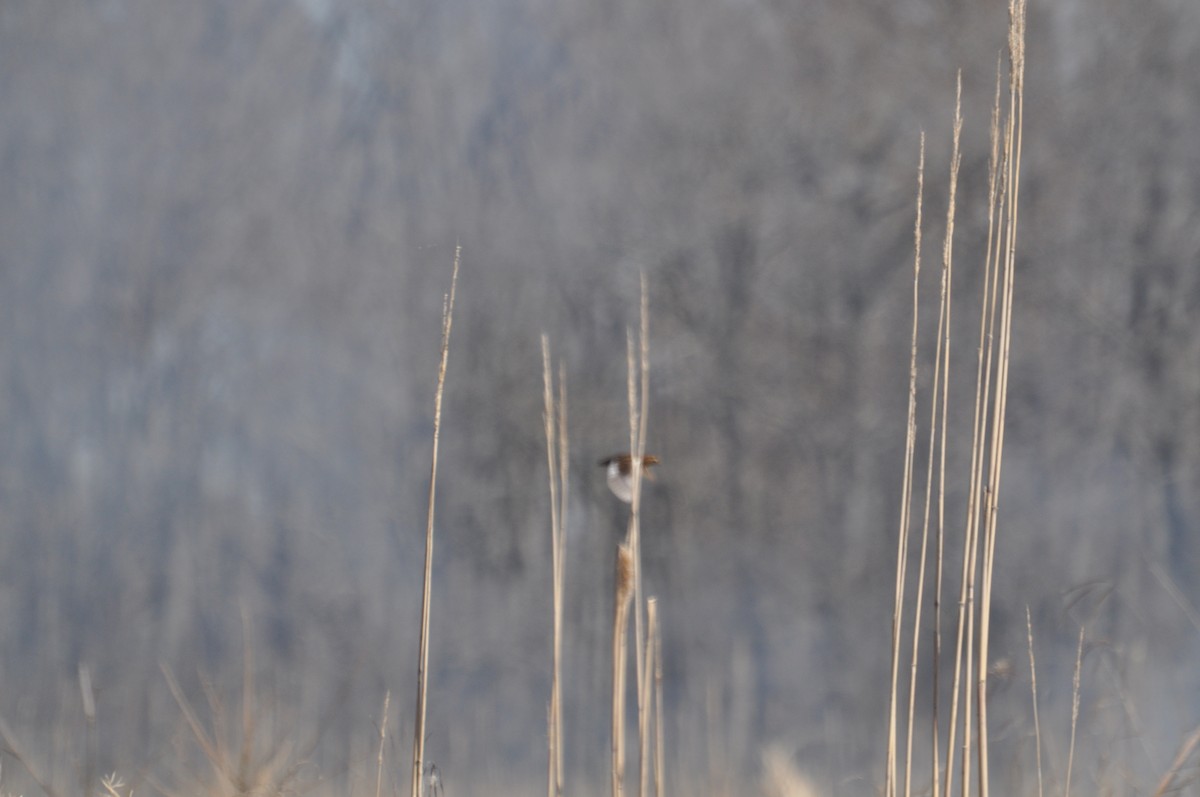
[418,761]
[554,417]
[647,717]
[383,718]
[906,496]
[1037,727]
[1074,713]
[564,481]
[622,593]
[659,761]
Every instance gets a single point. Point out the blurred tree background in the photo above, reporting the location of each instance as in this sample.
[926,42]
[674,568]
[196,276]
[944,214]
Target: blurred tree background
[225,230]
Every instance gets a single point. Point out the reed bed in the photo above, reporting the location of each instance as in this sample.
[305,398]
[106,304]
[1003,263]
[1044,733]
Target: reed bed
[968,695]
[959,733]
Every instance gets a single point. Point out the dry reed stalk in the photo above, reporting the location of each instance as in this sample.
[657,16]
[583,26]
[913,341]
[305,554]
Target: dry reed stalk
[418,760]
[941,367]
[948,290]
[622,594]
[208,746]
[1074,713]
[19,752]
[112,785]
[383,718]
[1172,589]
[267,773]
[557,450]
[987,445]
[906,493]
[983,376]
[717,743]
[647,717]
[981,510]
[1013,138]
[638,385]
[659,761]
[564,481]
[1185,751]
[633,536]
[248,698]
[89,717]
[549,419]
[637,359]
[1037,726]
[552,755]
[980,498]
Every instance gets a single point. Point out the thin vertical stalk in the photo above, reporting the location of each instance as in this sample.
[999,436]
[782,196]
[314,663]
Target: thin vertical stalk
[948,262]
[638,381]
[643,417]
[89,739]
[1016,44]
[418,762]
[939,379]
[1037,726]
[383,718]
[1074,713]
[923,556]
[633,533]
[906,493]
[980,508]
[647,716]
[638,367]
[564,481]
[556,458]
[965,626]
[552,755]
[659,761]
[622,593]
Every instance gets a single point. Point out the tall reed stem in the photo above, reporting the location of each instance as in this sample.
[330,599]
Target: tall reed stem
[418,761]
[557,456]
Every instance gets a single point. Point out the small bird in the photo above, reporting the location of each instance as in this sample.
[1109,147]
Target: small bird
[619,469]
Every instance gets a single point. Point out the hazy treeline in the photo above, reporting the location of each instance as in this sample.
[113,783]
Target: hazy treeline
[225,229]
